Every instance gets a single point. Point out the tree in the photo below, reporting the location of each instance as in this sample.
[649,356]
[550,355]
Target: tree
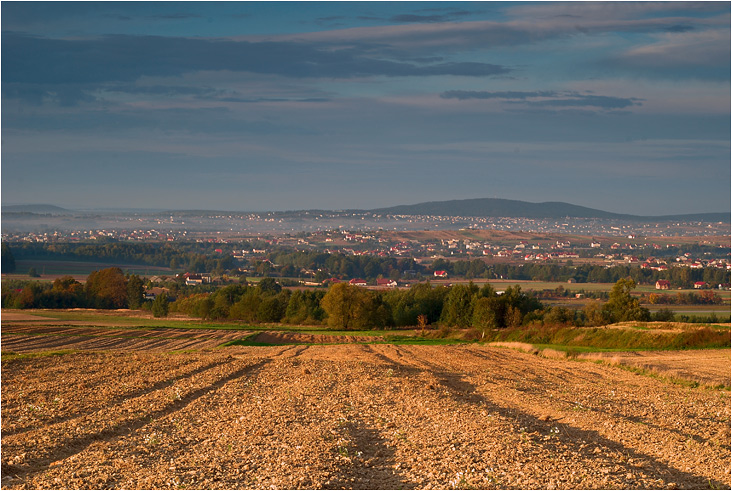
[160,306]
[33,273]
[347,306]
[458,309]
[484,317]
[107,289]
[8,260]
[135,291]
[621,305]
[269,286]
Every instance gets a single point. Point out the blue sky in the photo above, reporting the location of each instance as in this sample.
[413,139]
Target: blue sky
[622,106]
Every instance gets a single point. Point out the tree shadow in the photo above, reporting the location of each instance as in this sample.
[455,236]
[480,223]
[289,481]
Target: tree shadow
[68,447]
[565,438]
[367,462]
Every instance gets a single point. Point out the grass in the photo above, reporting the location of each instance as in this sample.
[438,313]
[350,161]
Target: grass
[247,341]
[619,339]
[56,267]
[10,355]
[394,339]
[661,376]
[127,321]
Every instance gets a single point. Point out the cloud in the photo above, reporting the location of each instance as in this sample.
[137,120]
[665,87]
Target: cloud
[477,94]
[548,98]
[611,10]
[679,28]
[446,16]
[679,54]
[425,38]
[29,59]
[176,16]
[603,102]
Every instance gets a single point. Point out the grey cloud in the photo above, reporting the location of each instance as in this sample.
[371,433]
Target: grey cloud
[417,18]
[167,90]
[474,94]
[678,55]
[28,59]
[176,16]
[443,15]
[603,102]
[37,94]
[679,28]
[549,98]
[330,18]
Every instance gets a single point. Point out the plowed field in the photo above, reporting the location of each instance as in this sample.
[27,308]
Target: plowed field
[354,416]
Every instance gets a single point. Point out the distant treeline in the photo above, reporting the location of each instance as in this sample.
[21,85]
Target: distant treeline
[198,257]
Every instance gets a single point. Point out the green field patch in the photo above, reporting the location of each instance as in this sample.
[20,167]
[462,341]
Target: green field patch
[10,355]
[611,338]
[248,341]
[56,267]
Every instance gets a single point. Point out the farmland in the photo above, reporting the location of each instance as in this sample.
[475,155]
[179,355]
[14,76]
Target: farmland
[134,404]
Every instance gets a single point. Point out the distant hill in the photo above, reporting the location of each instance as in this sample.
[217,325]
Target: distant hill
[48,209]
[494,207]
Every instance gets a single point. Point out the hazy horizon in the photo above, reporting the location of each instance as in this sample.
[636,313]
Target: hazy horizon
[275,106]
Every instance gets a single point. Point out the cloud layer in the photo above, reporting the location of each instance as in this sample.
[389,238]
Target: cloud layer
[273,105]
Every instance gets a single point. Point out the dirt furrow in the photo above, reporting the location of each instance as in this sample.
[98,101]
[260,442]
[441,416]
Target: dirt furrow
[360,416]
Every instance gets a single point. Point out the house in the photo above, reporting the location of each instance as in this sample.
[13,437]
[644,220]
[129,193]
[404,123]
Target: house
[441,274]
[197,279]
[700,285]
[152,293]
[663,285]
[385,282]
[357,282]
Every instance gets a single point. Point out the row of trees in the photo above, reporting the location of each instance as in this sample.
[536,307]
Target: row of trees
[195,257]
[105,289]
[349,307]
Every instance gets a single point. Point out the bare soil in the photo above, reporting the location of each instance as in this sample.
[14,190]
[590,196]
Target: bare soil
[75,335]
[354,416]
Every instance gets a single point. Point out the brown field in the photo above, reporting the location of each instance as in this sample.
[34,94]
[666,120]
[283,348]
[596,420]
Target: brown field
[26,333]
[353,416]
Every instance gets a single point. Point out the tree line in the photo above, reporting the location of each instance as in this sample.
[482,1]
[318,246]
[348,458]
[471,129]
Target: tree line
[104,289]
[199,257]
[342,306]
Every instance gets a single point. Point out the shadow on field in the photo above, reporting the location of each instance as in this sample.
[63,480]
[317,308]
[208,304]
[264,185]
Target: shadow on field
[163,384]
[370,462]
[567,438]
[68,447]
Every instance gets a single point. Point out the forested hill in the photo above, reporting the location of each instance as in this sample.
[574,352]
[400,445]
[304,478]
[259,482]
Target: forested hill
[46,209]
[494,207]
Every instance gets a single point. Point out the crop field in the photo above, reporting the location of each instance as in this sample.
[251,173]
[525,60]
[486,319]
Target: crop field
[170,410]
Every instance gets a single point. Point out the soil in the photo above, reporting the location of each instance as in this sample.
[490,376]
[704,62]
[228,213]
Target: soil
[39,338]
[354,416]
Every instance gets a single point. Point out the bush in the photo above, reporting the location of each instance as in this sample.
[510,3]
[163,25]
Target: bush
[160,306]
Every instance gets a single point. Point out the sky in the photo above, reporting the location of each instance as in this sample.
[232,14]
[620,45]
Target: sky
[255,106]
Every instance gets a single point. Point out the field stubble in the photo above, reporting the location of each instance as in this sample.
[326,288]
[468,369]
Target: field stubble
[354,416]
